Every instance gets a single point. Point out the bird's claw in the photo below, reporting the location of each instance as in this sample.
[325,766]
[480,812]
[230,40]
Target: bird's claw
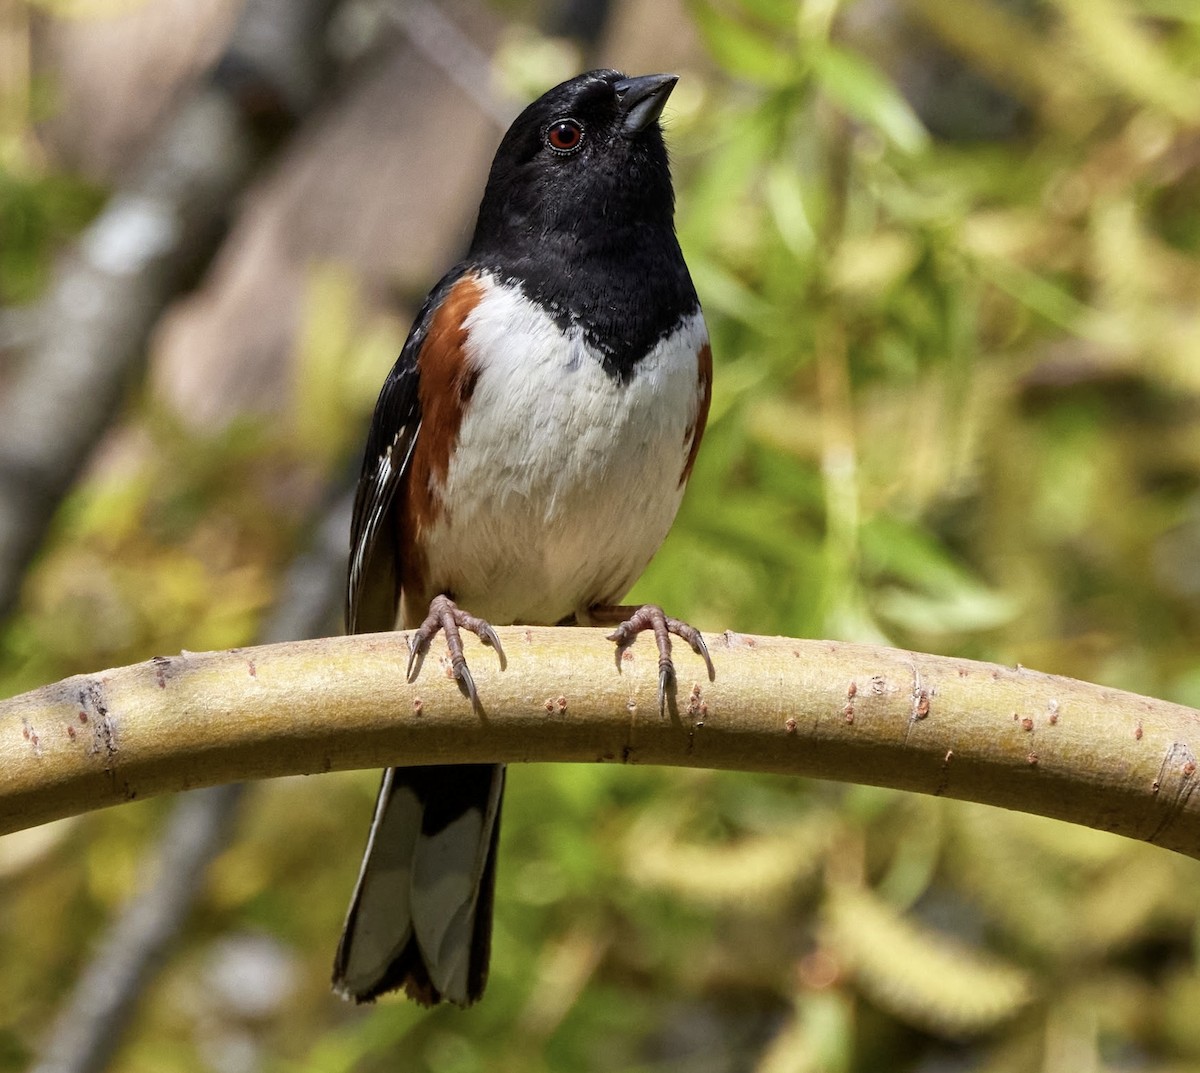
[652,617]
[446,616]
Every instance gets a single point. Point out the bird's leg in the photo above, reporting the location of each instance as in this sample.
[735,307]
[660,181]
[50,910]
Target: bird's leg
[447,616]
[631,621]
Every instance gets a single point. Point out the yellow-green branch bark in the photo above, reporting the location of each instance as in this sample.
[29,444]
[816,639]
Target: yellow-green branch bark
[998,735]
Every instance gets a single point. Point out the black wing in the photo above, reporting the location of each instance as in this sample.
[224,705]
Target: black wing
[373,585]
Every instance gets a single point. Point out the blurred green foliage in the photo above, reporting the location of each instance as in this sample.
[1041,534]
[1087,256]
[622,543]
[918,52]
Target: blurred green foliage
[950,255]
[36,213]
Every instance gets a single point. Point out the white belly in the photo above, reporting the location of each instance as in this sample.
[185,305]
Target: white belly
[564,481]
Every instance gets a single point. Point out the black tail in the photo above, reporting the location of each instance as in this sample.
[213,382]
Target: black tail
[421,914]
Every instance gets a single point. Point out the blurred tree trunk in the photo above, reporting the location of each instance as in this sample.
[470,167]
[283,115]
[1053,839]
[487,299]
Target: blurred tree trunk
[150,241]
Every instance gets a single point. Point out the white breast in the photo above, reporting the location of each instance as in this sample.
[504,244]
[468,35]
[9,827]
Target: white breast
[564,482]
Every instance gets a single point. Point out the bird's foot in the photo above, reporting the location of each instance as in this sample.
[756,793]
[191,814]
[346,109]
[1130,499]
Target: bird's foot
[635,620]
[445,615]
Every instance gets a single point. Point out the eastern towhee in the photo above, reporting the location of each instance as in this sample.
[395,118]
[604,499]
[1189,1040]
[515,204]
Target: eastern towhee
[527,455]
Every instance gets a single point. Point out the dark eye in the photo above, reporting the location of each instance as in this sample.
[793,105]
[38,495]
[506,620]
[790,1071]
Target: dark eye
[564,135]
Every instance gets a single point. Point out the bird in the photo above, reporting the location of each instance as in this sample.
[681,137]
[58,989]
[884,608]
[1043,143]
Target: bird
[526,457]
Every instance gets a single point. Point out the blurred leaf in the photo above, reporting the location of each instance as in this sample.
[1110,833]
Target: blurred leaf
[963,610]
[869,266]
[927,979]
[865,94]
[949,599]
[1117,45]
[340,366]
[526,63]
[725,293]
[741,49]
[816,1039]
[785,194]
[380,1028]
[37,214]
[749,871]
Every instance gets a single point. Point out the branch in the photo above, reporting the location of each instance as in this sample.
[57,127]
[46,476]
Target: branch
[998,735]
[439,40]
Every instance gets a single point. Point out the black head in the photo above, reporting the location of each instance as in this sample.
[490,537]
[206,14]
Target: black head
[584,163]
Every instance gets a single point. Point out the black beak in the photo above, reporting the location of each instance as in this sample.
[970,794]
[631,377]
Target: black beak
[641,99]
